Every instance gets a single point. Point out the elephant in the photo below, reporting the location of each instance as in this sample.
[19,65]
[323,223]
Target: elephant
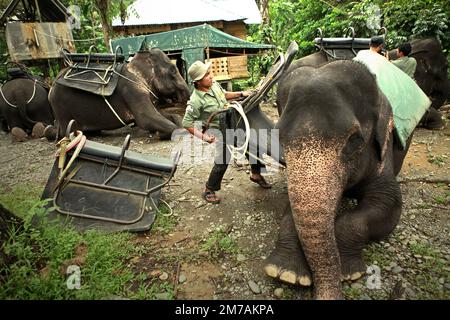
[336,130]
[148,88]
[431,76]
[24,108]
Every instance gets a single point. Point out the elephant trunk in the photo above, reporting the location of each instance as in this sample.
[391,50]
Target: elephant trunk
[315,187]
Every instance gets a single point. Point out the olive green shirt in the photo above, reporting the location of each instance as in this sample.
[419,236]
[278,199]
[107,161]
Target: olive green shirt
[407,65]
[202,104]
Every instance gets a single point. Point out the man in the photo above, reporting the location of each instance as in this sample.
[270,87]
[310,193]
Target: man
[207,98]
[404,62]
[376,45]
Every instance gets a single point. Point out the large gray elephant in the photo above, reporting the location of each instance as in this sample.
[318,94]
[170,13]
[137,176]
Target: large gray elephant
[336,129]
[147,85]
[24,108]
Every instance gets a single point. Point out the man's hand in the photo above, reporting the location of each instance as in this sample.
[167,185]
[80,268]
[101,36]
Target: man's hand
[209,138]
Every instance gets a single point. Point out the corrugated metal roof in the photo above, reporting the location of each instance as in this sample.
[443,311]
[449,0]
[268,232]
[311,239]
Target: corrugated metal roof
[148,12]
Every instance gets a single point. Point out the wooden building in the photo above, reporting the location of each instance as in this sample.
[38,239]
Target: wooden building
[146,18]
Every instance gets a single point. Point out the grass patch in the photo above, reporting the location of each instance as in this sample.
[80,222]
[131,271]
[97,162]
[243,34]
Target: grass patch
[432,268]
[164,222]
[219,243]
[443,199]
[376,254]
[439,160]
[20,199]
[46,262]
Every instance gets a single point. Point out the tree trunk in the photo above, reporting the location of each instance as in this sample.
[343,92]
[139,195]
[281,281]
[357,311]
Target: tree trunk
[264,10]
[103,6]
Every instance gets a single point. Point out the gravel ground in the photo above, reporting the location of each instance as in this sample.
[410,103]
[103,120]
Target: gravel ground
[217,251]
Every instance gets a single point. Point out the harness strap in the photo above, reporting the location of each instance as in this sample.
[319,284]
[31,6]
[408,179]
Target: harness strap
[113,111]
[29,100]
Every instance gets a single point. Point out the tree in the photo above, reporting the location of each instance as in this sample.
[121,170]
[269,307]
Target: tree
[103,9]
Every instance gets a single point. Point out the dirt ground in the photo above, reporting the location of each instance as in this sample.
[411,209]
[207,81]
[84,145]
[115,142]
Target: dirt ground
[414,261]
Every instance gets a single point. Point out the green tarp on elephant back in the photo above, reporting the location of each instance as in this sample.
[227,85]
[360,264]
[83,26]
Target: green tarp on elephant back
[409,103]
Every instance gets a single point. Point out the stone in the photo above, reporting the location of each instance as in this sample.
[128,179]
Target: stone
[278,293]
[397,269]
[164,276]
[182,278]
[240,257]
[254,287]
[162,296]
[357,286]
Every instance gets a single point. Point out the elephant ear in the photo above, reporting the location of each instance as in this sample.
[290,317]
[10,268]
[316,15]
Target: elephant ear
[384,126]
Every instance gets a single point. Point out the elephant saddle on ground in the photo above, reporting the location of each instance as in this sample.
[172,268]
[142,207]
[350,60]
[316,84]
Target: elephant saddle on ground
[95,73]
[107,188]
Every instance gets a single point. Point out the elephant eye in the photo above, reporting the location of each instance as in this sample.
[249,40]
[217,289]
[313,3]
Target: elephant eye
[355,144]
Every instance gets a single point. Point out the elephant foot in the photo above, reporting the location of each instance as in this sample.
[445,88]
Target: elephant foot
[38,130]
[287,262]
[18,135]
[351,237]
[50,132]
[287,270]
[432,120]
[352,267]
[164,136]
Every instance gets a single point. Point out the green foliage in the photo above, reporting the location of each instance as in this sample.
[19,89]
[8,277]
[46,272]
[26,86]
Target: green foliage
[39,257]
[164,222]
[404,19]
[219,243]
[90,30]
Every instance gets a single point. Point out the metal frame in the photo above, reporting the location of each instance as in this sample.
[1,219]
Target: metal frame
[69,178]
[75,69]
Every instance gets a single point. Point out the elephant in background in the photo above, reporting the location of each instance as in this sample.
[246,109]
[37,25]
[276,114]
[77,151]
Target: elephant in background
[431,74]
[148,88]
[336,128]
[24,108]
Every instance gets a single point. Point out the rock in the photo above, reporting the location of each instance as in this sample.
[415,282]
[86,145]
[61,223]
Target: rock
[182,278]
[397,269]
[254,287]
[162,296]
[442,280]
[447,286]
[365,297]
[278,293]
[357,286]
[164,276]
[240,257]
[409,292]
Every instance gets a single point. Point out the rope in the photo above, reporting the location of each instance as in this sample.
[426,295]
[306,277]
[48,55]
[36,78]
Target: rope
[34,92]
[29,100]
[138,83]
[233,150]
[170,208]
[113,111]
[4,98]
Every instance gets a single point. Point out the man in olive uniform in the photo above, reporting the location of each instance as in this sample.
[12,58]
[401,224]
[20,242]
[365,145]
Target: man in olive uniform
[207,98]
[404,62]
